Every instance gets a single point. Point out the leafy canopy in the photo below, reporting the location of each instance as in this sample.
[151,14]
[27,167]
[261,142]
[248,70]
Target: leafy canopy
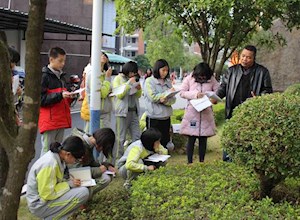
[218,26]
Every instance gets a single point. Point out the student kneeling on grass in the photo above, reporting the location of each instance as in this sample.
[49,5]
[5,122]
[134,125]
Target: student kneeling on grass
[103,141]
[48,195]
[131,163]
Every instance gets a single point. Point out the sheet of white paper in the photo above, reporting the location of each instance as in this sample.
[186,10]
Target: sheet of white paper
[213,95]
[87,183]
[24,189]
[118,90]
[176,128]
[84,174]
[15,84]
[110,173]
[77,91]
[158,158]
[201,104]
[133,89]
[171,94]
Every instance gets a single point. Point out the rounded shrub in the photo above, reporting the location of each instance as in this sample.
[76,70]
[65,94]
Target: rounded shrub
[264,135]
[203,191]
[293,89]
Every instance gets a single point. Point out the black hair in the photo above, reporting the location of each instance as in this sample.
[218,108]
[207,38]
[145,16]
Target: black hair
[56,51]
[105,138]
[105,66]
[130,67]
[72,144]
[14,55]
[251,48]
[158,65]
[148,138]
[200,70]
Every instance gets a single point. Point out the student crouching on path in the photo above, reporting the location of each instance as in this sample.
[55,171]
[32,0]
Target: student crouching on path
[126,107]
[158,107]
[198,124]
[103,141]
[48,195]
[55,114]
[131,163]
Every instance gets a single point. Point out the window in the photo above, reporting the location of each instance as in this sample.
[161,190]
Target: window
[133,40]
[133,53]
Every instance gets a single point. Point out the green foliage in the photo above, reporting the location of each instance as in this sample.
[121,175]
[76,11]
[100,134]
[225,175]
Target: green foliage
[164,42]
[203,191]
[219,113]
[264,135]
[190,61]
[217,26]
[142,62]
[111,203]
[293,89]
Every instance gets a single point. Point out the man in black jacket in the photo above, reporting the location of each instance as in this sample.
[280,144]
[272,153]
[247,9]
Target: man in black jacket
[242,81]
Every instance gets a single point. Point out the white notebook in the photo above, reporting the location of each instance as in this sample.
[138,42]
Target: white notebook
[84,174]
[157,158]
[201,104]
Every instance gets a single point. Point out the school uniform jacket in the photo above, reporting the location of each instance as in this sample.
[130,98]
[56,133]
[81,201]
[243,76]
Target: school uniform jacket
[55,110]
[134,153]
[45,181]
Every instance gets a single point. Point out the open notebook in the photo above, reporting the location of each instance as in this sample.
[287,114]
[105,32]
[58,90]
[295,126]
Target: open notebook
[157,158]
[84,174]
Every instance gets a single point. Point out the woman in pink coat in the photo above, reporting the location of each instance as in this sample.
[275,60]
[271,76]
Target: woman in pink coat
[198,124]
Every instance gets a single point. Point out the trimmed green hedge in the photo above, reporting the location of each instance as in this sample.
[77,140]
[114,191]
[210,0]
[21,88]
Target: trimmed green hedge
[293,89]
[264,135]
[203,191]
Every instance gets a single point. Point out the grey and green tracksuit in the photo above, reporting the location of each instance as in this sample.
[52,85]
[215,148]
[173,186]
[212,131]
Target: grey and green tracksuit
[131,163]
[48,195]
[102,179]
[126,109]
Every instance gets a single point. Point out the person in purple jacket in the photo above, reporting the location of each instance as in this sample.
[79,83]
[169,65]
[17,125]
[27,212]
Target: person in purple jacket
[196,124]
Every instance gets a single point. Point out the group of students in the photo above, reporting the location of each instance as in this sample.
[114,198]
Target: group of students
[51,193]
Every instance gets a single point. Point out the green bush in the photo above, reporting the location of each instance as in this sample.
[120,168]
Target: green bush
[264,135]
[203,191]
[293,89]
[109,204]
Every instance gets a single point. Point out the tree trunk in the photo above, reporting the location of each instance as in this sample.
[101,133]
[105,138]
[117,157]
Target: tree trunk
[266,185]
[21,150]
[3,169]
[6,105]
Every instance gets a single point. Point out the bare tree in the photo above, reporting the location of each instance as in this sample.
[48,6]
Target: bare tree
[18,143]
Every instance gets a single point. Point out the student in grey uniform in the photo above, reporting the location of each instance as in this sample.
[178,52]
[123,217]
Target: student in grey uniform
[49,195]
[126,107]
[103,141]
[158,105]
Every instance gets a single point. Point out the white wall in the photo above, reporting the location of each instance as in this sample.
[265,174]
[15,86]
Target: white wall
[14,39]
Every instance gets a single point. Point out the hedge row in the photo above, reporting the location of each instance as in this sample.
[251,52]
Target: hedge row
[204,191]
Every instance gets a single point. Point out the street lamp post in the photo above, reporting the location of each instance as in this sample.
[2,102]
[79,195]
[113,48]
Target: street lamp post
[96,66]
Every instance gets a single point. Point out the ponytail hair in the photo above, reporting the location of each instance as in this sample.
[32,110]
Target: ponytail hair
[72,144]
[55,147]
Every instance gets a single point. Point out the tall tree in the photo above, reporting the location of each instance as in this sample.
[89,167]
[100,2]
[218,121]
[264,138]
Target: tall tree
[163,42]
[218,26]
[18,143]
[142,62]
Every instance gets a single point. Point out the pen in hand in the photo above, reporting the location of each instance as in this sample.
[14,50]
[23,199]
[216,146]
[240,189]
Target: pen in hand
[76,182]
